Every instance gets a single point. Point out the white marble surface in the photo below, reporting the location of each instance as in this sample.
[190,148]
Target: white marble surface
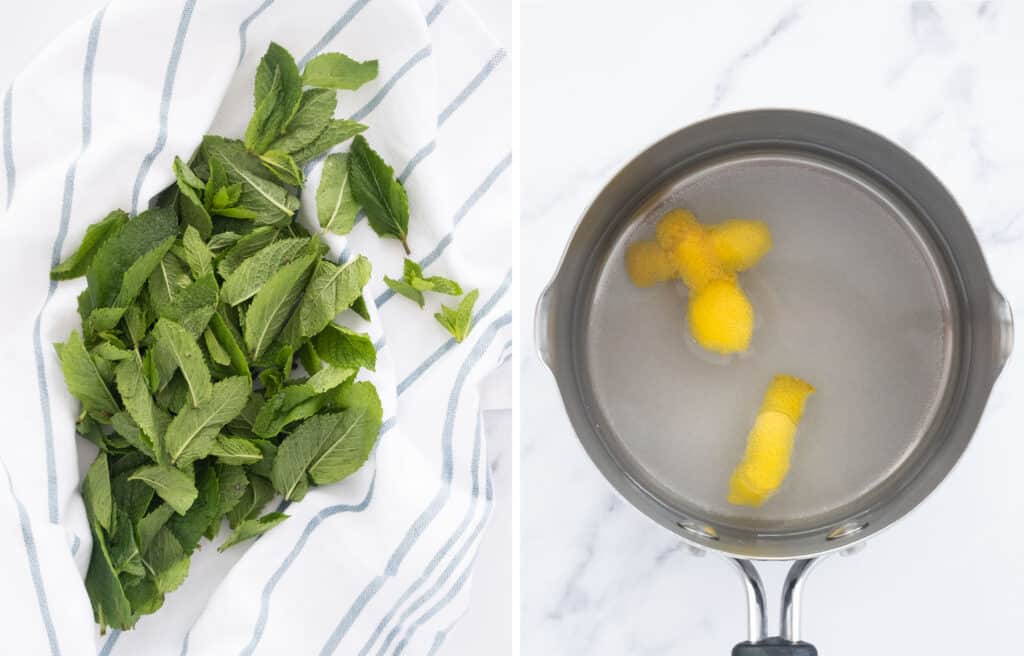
[490,624]
[603,80]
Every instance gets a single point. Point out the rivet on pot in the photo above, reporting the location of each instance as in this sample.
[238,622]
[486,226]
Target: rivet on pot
[846,530]
[702,531]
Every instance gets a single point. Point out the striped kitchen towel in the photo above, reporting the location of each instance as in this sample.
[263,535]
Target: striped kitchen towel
[379,563]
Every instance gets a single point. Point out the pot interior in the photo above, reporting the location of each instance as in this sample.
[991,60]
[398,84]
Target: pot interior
[855,297]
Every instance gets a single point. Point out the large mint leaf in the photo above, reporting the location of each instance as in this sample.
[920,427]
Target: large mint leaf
[229,344]
[337,131]
[327,447]
[330,291]
[172,485]
[192,433]
[83,379]
[95,236]
[336,208]
[278,61]
[236,451]
[333,70]
[274,304]
[315,112]
[177,349]
[254,272]
[113,258]
[380,194]
[283,167]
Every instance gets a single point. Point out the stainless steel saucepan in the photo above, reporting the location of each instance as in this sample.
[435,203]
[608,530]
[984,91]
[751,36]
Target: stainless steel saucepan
[876,292]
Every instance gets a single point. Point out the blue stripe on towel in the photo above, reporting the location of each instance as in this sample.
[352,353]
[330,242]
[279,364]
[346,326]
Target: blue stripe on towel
[165,101]
[422,523]
[58,246]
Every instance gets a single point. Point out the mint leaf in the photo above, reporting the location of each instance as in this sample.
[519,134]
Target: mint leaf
[194,305]
[198,256]
[344,348]
[217,180]
[273,304]
[110,606]
[188,528]
[333,70]
[283,167]
[268,120]
[185,175]
[223,240]
[166,282]
[261,199]
[458,321]
[144,598]
[227,197]
[244,248]
[193,212]
[233,484]
[83,379]
[235,451]
[167,561]
[95,236]
[330,291]
[405,289]
[359,307]
[315,111]
[381,195]
[151,523]
[176,349]
[251,528]
[171,484]
[296,402]
[115,255]
[96,494]
[336,208]
[101,320]
[126,427]
[191,434]
[279,61]
[134,391]
[361,394]
[348,447]
[124,550]
[337,131]
[327,446]
[226,340]
[136,275]
[245,281]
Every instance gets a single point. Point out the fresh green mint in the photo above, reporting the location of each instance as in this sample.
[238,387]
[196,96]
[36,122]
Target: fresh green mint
[458,321]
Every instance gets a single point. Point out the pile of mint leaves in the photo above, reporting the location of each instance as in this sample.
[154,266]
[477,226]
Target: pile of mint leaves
[211,372]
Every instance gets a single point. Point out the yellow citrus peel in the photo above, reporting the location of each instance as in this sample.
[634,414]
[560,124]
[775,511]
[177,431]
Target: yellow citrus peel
[770,443]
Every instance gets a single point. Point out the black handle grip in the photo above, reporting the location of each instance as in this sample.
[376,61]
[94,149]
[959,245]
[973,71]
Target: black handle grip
[774,647]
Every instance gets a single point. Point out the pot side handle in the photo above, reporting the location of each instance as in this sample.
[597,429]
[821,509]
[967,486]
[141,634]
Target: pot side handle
[542,326]
[1003,327]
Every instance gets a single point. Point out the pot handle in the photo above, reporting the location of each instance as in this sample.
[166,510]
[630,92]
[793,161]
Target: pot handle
[542,326]
[788,643]
[1004,327]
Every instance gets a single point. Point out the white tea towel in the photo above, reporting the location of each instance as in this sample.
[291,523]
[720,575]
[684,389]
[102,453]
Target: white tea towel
[379,563]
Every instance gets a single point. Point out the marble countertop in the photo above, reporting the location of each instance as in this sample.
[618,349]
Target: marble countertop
[603,80]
